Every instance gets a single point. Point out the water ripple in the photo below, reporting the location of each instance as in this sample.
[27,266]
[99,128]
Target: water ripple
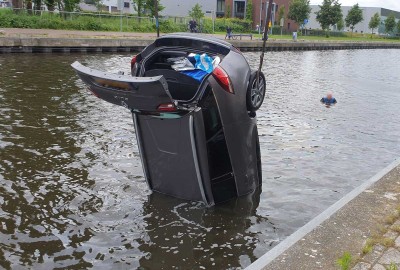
[72,190]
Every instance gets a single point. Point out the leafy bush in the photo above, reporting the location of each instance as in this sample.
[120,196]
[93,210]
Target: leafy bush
[169,26]
[237,25]
[321,33]
[107,22]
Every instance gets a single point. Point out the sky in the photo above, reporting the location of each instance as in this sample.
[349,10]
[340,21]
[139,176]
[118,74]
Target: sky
[389,4]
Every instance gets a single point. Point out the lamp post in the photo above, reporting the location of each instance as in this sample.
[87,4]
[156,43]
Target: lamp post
[259,25]
[212,12]
[120,6]
[265,35]
[156,15]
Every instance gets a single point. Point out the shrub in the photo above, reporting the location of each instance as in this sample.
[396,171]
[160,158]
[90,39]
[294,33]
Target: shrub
[237,25]
[107,22]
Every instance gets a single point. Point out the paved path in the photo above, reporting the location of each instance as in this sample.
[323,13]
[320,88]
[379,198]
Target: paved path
[50,33]
[382,257]
[346,230]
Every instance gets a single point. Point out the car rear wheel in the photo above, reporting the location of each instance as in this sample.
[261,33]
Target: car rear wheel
[255,96]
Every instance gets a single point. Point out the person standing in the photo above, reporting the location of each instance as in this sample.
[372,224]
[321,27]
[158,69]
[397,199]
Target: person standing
[228,32]
[194,26]
[191,26]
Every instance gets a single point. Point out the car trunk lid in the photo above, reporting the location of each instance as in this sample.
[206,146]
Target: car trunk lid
[141,94]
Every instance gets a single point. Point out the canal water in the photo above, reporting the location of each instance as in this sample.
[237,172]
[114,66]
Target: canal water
[72,192]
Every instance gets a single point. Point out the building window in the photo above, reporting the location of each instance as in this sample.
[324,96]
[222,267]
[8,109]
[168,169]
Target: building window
[126,4]
[239,9]
[220,8]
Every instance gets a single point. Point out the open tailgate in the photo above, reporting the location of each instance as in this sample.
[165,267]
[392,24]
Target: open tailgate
[136,93]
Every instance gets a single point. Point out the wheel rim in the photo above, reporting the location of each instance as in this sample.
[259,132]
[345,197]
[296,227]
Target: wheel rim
[257,94]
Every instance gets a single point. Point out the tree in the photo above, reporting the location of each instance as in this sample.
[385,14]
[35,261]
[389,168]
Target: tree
[51,4]
[98,4]
[17,3]
[330,13]
[374,22]
[139,6]
[69,5]
[37,4]
[281,13]
[150,7]
[299,10]
[398,27]
[390,23]
[196,12]
[249,11]
[354,17]
[340,25]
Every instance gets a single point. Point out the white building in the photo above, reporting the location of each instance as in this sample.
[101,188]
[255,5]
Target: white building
[176,8]
[181,8]
[109,5]
[362,27]
[5,4]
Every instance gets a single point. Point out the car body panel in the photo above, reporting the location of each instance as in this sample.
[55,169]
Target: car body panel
[171,163]
[240,129]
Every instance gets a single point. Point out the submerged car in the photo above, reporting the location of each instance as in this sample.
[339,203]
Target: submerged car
[197,135]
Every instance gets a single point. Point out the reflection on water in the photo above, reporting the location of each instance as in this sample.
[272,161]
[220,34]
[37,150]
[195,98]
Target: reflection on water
[72,191]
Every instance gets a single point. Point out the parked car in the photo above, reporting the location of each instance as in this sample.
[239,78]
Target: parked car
[197,138]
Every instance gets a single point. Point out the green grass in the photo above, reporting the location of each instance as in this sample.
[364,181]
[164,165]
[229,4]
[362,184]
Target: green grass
[389,220]
[365,38]
[344,262]
[392,266]
[89,22]
[108,22]
[375,240]
[395,228]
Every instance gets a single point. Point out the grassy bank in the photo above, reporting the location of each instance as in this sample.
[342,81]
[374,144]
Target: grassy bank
[76,21]
[345,37]
[129,23]
[110,22]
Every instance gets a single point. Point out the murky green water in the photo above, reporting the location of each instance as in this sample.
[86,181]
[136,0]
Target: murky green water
[72,192]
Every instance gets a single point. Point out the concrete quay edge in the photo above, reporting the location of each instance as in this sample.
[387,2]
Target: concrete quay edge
[64,44]
[344,226]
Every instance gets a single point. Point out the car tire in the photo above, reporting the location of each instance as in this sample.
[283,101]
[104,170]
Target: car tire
[255,97]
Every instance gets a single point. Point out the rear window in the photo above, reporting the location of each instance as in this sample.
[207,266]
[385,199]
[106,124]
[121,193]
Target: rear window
[201,45]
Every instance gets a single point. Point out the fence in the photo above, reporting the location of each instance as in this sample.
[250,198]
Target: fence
[99,21]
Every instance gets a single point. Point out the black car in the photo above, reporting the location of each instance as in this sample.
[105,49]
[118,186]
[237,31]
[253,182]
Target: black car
[197,135]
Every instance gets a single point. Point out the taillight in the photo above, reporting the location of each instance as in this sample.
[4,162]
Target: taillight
[166,107]
[223,79]
[134,65]
[133,61]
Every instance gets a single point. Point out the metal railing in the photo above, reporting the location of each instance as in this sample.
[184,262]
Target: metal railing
[124,20]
